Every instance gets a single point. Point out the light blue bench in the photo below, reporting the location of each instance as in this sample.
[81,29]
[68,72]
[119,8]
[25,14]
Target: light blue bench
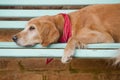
[10,49]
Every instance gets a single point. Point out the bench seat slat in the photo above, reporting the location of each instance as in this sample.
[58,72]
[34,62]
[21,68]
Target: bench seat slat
[56,53]
[53,2]
[62,45]
[29,13]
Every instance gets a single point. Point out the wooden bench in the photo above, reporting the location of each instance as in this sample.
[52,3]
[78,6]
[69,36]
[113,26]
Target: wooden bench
[10,49]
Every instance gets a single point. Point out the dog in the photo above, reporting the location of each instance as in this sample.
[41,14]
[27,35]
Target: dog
[92,24]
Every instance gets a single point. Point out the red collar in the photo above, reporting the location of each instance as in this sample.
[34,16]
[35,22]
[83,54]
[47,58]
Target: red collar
[67,29]
[66,33]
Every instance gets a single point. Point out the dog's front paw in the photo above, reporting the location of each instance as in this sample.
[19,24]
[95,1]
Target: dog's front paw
[66,58]
[81,45]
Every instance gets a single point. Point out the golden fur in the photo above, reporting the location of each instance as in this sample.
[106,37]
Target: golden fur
[92,24]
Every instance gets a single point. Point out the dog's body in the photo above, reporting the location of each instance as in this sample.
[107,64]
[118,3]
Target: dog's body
[92,24]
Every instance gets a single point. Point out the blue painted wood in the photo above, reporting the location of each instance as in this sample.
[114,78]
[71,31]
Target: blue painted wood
[54,2]
[10,49]
[62,45]
[12,24]
[56,53]
[30,13]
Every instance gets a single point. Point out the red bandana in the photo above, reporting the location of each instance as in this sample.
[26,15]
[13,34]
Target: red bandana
[66,33]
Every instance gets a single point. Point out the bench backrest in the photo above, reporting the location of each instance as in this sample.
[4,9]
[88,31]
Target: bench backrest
[15,13]
[19,12]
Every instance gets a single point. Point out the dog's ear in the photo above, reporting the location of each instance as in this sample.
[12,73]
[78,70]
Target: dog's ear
[48,33]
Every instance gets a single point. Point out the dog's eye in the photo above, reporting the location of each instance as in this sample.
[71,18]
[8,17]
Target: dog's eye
[31,28]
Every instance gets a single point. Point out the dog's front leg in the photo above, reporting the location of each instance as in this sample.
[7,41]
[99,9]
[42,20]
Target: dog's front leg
[69,50]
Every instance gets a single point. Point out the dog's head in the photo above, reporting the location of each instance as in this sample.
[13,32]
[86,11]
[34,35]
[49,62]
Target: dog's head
[38,30]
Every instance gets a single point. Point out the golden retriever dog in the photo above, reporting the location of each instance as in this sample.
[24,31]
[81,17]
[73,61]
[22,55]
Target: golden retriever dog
[92,24]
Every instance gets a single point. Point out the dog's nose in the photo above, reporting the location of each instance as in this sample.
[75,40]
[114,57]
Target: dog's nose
[15,38]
